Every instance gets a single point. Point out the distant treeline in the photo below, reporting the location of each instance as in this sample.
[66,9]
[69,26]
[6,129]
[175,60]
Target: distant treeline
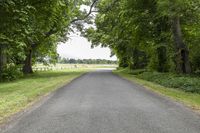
[85,61]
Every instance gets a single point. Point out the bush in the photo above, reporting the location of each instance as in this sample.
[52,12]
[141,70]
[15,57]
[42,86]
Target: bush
[10,73]
[137,72]
[183,82]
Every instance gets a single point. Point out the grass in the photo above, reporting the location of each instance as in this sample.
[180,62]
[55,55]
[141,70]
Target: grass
[65,66]
[18,95]
[159,85]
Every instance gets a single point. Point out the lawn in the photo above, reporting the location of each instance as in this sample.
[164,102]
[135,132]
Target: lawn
[20,94]
[178,87]
[69,66]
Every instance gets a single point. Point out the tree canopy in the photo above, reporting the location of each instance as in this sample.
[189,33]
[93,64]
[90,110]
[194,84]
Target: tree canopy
[161,35]
[32,29]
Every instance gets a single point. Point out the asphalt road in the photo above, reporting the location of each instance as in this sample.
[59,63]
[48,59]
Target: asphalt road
[100,102]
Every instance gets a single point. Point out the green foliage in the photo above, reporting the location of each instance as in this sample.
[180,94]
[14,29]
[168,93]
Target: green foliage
[162,35]
[30,30]
[140,32]
[135,72]
[10,73]
[181,82]
[186,83]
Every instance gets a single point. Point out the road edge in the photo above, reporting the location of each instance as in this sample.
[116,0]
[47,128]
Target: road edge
[149,88]
[13,119]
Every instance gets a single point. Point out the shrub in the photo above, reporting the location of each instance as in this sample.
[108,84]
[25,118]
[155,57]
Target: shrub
[10,73]
[137,72]
[183,82]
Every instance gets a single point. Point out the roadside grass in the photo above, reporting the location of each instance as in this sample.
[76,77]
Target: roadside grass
[161,85]
[18,95]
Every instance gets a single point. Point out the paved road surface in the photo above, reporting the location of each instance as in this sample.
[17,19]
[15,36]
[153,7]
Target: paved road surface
[100,102]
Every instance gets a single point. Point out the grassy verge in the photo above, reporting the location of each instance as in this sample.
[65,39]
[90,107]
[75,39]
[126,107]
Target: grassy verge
[18,95]
[188,98]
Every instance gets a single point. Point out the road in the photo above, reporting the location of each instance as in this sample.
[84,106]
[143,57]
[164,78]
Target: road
[101,102]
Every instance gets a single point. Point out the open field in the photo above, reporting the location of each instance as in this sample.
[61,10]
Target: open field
[190,99]
[41,67]
[17,95]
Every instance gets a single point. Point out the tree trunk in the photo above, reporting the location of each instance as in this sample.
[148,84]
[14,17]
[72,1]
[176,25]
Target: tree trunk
[135,59]
[3,57]
[182,52]
[27,68]
[162,59]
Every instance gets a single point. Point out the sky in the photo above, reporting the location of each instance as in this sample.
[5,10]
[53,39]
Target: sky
[79,48]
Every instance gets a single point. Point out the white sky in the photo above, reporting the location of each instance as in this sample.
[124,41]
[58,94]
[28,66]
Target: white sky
[79,48]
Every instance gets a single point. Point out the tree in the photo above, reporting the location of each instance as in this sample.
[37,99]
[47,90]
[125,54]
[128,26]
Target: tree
[140,32]
[178,11]
[14,15]
[55,17]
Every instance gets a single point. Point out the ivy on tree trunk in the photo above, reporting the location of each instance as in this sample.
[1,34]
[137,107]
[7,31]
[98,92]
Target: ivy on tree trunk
[181,50]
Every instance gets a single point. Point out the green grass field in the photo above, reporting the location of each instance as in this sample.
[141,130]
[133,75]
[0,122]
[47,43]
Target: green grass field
[19,94]
[181,95]
[72,66]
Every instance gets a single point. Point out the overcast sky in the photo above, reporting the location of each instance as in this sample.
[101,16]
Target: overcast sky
[79,48]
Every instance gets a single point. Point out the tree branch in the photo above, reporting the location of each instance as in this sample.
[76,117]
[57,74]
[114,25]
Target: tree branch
[88,14]
[53,31]
[109,7]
